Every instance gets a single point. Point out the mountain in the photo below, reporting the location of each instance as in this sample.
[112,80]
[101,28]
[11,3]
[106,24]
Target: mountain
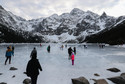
[11,36]
[114,35]
[67,27]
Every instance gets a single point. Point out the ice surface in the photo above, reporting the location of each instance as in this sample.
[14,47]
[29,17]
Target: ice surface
[57,69]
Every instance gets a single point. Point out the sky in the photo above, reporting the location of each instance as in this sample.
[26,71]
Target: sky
[32,9]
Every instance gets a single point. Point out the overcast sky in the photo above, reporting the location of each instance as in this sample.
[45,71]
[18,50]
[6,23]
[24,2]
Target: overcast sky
[32,9]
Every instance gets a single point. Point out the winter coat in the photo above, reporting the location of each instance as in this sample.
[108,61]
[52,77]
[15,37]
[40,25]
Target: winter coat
[72,57]
[74,50]
[48,48]
[8,53]
[70,51]
[33,68]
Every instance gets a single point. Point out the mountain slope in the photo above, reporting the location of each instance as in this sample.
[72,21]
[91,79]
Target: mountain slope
[114,35]
[8,35]
[67,27]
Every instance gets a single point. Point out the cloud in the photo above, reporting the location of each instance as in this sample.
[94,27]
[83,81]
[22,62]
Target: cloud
[98,4]
[117,10]
[43,8]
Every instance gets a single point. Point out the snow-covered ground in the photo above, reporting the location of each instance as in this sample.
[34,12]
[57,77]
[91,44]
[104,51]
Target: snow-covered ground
[57,69]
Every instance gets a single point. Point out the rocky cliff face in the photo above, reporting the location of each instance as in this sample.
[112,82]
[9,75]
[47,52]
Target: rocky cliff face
[69,26]
[14,36]
[115,35]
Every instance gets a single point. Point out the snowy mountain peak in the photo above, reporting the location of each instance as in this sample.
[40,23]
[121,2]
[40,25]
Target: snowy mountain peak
[54,16]
[65,15]
[104,15]
[92,13]
[76,11]
[76,24]
[1,7]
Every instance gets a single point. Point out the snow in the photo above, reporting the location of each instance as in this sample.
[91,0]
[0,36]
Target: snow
[60,38]
[101,24]
[119,22]
[84,33]
[57,69]
[69,21]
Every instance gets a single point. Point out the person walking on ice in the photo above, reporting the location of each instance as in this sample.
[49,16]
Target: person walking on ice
[48,49]
[34,52]
[70,52]
[32,69]
[8,55]
[74,50]
[72,58]
[13,50]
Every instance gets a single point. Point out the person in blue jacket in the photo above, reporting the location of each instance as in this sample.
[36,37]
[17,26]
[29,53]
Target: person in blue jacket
[8,55]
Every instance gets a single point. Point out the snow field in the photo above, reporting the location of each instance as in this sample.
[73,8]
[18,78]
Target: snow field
[57,69]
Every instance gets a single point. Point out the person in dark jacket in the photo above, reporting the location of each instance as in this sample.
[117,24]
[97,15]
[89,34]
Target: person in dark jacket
[48,49]
[13,50]
[75,50]
[70,52]
[34,52]
[8,55]
[32,69]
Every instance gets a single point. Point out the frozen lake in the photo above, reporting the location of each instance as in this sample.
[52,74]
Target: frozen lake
[57,69]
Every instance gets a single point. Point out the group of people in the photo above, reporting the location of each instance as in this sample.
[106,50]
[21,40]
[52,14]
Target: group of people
[33,66]
[71,54]
[101,45]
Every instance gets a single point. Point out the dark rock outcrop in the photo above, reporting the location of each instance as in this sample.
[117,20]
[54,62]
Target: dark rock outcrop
[96,74]
[3,83]
[113,70]
[100,81]
[118,79]
[80,80]
[13,76]
[13,68]
[27,81]
[1,73]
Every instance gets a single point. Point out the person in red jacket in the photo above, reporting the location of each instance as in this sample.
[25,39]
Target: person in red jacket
[73,57]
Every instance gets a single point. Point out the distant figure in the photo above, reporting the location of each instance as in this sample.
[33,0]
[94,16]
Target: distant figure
[85,46]
[61,47]
[8,55]
[101,45]
[33,53]
[40,44]
[74,50]
[66,46]
[32,69]
[70,52]
[13,50]
[73,57]
[48,49]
